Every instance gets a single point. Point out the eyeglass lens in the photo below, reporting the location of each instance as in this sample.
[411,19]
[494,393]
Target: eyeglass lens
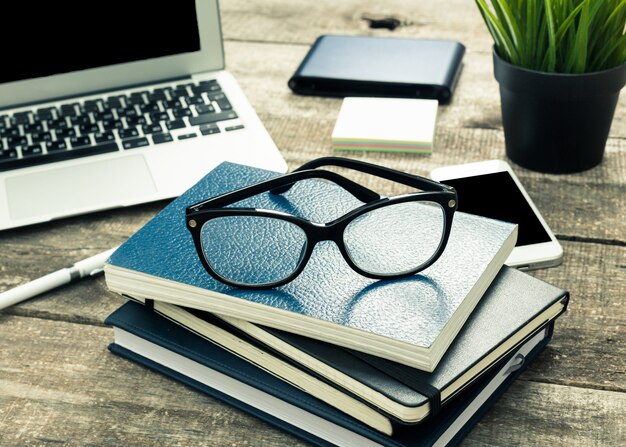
[395,239]
[260,250]
[252,250]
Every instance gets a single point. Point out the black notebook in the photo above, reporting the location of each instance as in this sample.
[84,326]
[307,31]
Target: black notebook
[379,66]
[512,310]
[148,339]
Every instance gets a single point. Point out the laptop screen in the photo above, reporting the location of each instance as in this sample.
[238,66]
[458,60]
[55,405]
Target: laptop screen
[48,38]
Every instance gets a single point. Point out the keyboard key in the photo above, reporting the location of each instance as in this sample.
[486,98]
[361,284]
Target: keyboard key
[136,121]
[68,109]
[46,113]
[151,107]
[14,141]
[57,124]
[12,163]
[208,118]
[33,128]
[128,133]
[114,102]
[41,137]
[135,142]
[128,112]
[179,92]
[81,141]
[159,138]
[187,136]
[80,119]
[31,151]
[206,86]
[136,98]
[104,137]
[209,129]
[112,124]
[11,154]
[157,96]
[205,108]
[162,90]
[151,128]
[88,128]
[237,127]
[64,133]
[173,104]
[195,100]
[11,132]
[176,124]
[105,115]
[159,116]
[180,113]
[20,118]
[92,105]
[55,146]
[221,100]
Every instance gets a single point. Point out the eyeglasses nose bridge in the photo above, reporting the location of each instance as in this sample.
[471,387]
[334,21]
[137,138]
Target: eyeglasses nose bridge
[323,232]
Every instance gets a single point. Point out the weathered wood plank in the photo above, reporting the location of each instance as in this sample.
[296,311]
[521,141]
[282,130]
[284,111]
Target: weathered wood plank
[301,23]
[541,414]
[54,372]
[59,384]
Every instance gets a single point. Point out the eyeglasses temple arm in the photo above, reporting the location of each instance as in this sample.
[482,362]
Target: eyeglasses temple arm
[379,171]
[278,184]
[362,193]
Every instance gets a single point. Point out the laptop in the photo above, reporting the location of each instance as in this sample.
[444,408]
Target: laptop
[121,104]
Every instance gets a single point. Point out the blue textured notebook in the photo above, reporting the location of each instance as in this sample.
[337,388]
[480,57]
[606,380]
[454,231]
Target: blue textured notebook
[146,338]
[411,321]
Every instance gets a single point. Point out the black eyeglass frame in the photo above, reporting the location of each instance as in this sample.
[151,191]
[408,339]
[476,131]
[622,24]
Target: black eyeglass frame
[431,191]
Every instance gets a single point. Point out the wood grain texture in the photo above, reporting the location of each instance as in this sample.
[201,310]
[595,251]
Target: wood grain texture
[60,386]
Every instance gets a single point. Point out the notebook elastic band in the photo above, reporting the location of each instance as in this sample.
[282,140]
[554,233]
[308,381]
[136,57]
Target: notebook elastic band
[405,377]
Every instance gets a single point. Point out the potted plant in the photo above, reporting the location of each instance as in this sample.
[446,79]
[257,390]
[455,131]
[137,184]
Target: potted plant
[560,65]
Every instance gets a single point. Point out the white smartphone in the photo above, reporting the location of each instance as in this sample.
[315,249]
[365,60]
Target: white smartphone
[491,189]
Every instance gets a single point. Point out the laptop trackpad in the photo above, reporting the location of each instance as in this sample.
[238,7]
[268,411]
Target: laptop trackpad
[64,191]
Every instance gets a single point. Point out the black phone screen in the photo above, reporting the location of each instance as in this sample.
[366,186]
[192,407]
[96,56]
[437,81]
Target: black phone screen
[496,195]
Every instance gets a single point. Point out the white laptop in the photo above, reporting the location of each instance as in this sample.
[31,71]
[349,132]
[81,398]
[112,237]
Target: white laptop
[127,105]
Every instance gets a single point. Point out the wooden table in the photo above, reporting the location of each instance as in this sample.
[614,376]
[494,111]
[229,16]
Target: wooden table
[60,386]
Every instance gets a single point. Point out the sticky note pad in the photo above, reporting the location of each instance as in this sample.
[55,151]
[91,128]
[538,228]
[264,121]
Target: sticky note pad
[386,124]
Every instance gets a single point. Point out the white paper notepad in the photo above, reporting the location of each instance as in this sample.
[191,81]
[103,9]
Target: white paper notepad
[386,124]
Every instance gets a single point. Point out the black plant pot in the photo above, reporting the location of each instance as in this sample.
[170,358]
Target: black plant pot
[554,122]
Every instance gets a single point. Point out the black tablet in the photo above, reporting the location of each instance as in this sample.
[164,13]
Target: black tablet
[379,66]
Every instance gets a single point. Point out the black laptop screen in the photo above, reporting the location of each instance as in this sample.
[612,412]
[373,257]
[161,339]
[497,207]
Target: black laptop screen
[52,37]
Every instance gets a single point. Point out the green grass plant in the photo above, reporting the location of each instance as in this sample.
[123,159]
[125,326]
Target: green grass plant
[558,36]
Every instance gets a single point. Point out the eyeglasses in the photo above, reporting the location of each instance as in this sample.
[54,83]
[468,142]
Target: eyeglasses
[385,238]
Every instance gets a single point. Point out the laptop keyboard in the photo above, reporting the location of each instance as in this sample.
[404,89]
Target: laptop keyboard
[113,123]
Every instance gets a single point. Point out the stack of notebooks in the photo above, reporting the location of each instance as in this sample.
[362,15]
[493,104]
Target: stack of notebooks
[333,357]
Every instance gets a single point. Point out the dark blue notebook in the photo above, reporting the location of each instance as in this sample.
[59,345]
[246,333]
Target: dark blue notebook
[514,307]
[146,338]
[411,321]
